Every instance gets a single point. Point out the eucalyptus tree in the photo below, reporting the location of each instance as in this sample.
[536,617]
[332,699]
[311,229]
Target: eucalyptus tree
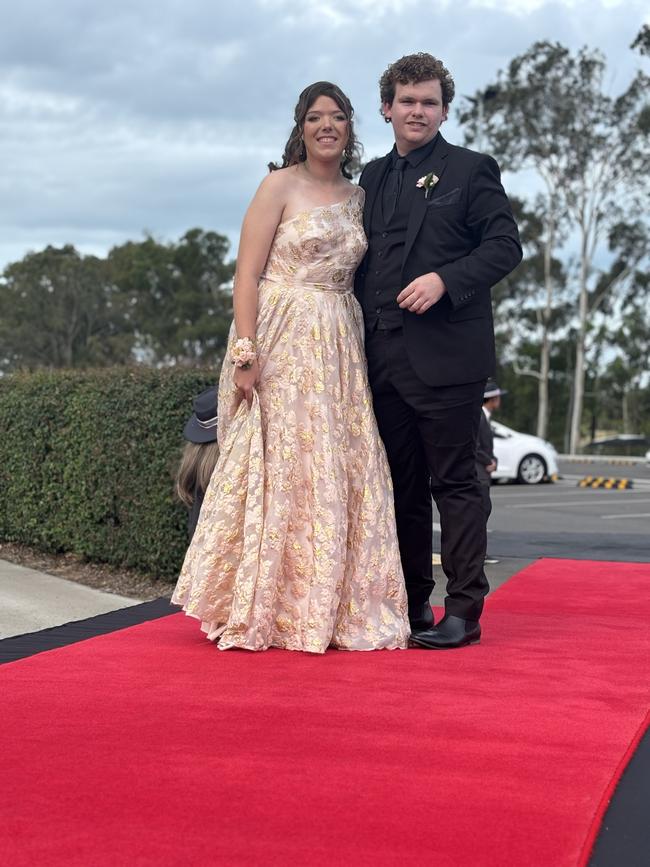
[628,368]
[642,41]
[529,307]
[587,154]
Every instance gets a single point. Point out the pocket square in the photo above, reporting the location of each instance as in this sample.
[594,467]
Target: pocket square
[450,198]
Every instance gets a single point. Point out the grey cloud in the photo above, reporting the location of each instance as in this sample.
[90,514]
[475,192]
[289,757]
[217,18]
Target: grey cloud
[162,116]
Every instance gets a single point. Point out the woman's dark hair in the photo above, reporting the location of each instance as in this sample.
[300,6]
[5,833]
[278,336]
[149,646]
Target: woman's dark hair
[412,69]
[294,150]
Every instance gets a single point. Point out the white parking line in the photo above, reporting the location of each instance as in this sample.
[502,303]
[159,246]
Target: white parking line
[506,493]
[592,502]
[612,492]
[638,515]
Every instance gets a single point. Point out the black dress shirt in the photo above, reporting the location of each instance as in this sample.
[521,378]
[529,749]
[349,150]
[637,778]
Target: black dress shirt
[386,240]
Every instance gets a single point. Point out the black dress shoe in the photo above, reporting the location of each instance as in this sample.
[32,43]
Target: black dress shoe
[449,633]
[421,617]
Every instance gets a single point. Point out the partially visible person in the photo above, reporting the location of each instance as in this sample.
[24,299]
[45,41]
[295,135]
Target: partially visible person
[296,545]
[199,456]
[486,462]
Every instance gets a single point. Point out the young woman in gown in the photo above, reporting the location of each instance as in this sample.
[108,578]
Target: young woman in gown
[295,545]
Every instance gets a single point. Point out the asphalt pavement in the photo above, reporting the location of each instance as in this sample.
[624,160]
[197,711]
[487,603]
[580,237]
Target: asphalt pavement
[564,519]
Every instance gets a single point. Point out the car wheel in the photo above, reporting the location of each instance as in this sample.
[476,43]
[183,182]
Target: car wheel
[532,470]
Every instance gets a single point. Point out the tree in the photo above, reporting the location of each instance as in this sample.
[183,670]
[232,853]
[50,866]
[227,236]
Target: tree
[590,154]
[148,302]
[642,41]
[527,310]
[59,309]
[178,295]
[627,373]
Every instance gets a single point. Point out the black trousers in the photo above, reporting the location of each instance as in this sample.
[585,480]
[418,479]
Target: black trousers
[430,438]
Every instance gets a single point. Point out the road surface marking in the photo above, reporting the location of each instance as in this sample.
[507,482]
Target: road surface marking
[638,515]
[592,502]
[507,495]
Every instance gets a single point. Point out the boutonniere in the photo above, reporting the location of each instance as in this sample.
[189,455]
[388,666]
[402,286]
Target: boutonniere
[427,183]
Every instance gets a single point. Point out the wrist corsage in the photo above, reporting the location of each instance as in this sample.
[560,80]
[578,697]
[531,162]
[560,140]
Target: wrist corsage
[243,353]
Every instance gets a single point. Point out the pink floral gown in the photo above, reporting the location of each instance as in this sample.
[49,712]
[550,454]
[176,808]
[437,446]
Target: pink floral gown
[296,544]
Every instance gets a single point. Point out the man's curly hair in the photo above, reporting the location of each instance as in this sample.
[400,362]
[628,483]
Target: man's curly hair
[412,69]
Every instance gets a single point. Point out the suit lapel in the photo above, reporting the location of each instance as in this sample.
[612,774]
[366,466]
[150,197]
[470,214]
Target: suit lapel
[436,163]
[373,189]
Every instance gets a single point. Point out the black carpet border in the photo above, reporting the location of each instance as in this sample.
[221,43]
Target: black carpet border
[624,835]
[21,646]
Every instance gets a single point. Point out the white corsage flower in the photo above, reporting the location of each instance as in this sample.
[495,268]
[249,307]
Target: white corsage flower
[243,353]
[427,183]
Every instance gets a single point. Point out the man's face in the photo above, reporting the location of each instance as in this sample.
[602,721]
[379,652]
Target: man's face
[416,114]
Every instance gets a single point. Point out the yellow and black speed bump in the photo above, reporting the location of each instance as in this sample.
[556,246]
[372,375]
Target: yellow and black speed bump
[604,482]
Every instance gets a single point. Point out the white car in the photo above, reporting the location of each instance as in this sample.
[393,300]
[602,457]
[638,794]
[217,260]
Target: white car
[522,457]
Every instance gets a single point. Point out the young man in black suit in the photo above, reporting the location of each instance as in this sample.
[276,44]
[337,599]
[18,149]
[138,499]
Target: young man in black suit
[441,233]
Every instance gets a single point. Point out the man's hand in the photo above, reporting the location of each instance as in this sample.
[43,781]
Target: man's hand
[491,467]
[422,293]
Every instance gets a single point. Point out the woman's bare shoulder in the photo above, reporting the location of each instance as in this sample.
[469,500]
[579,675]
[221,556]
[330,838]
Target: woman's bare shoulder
[279,180]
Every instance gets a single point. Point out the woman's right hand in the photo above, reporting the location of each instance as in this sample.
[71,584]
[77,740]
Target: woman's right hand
[246,380]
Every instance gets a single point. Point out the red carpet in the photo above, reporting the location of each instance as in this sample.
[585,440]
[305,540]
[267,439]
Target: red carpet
[149,746]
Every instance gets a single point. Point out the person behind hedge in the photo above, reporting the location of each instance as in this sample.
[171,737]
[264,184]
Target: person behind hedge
[199,456]
[296,545]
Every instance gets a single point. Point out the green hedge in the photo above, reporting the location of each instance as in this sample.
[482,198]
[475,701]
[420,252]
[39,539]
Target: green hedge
[87,460]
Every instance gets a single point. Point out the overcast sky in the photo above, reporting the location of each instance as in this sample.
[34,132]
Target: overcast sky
[135,115]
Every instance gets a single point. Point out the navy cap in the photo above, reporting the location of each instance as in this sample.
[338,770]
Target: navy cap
[202,424]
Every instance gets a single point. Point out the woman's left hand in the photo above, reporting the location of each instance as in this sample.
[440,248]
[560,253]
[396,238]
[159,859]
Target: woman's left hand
[246,380]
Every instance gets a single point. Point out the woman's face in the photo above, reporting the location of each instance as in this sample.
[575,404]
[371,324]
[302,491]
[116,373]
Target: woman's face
[326,129]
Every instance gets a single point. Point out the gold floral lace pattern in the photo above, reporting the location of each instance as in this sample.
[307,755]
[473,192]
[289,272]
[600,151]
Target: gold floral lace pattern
[296,545]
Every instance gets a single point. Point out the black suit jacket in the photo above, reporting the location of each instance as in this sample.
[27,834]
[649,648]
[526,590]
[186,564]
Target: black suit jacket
[464,230]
